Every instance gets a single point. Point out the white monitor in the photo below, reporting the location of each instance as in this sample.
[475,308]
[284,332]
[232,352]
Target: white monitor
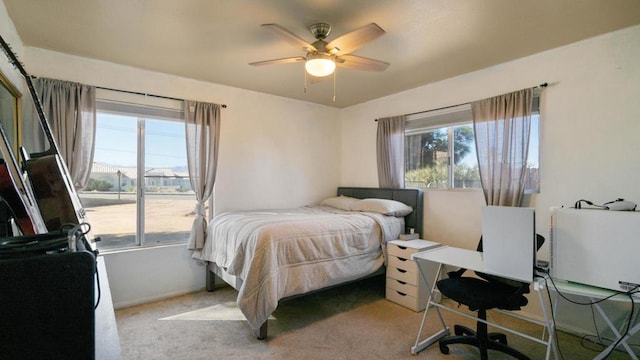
[509,242]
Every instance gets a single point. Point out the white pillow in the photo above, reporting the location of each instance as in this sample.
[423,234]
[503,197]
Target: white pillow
[340,202]
[383,206]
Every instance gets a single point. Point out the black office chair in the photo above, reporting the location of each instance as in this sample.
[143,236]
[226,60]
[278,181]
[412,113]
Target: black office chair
[490,292]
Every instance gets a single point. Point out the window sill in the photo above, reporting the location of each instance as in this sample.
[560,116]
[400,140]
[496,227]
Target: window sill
[142,248]
[453,190]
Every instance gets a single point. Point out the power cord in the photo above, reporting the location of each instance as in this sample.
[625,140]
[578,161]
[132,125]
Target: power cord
[78,234]
[629,293]
[628,327]
[553,318]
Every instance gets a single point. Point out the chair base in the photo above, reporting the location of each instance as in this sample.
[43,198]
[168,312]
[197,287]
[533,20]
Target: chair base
[481,339]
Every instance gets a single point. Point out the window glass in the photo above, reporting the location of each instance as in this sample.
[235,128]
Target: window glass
[427,159]
[440,150]
[110,196]
[465,162]
[168,199]
[139,192]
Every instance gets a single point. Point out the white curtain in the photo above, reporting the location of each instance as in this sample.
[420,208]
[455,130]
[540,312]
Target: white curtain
[390,152]
[202,121]
[502,126]
[70,109]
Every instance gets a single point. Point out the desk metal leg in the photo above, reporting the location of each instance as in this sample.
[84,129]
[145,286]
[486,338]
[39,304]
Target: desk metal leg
[421,345]
[617,334]
[549,323]
[611,326]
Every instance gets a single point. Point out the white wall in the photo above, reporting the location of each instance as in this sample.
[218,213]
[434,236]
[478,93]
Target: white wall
[590,121]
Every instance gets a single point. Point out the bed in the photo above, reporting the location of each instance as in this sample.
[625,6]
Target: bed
[269,256]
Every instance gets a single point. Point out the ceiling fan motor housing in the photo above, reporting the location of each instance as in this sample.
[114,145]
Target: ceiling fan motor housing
[320,30]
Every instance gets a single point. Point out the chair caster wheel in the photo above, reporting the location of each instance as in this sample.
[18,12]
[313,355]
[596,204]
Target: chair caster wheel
[460,330]
[499,337]
[444,349]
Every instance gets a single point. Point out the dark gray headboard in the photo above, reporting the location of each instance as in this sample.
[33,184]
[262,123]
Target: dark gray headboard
[411,197]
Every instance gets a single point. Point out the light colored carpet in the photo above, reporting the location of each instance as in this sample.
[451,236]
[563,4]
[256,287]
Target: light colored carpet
[348,322]
[228,311]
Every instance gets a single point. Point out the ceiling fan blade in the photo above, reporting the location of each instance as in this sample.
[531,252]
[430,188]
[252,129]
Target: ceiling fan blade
[278,61]
[360,63]
[355,39]
[290,37]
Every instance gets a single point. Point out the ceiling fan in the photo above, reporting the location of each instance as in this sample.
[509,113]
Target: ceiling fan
[322,57]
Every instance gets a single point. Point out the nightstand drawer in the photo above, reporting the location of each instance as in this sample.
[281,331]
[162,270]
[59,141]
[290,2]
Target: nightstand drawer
[403,263]
[400,251]
[404,249]
[406,300]
[408,274]
[403,287]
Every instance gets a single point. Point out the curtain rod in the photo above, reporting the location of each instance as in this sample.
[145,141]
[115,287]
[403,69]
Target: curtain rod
[543,85]
[136,93]
[145,94]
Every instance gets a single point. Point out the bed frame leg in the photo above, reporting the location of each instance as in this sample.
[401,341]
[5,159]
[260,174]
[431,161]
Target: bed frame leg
[212,280]
[261,333]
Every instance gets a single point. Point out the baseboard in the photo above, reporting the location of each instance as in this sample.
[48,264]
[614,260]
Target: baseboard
[140,301]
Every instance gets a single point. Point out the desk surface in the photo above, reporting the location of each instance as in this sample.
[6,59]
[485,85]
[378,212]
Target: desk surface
[464,258]
[569,287]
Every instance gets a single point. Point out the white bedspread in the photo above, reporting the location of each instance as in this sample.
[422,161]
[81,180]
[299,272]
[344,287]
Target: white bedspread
[280,253]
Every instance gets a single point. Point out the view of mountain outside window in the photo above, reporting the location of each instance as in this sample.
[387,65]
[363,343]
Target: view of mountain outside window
[139,192]
[445,158]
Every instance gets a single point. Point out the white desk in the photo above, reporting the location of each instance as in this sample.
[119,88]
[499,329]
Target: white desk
[471,260]
[595,295]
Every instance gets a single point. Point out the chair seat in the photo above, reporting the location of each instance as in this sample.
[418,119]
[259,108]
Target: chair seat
[480,294]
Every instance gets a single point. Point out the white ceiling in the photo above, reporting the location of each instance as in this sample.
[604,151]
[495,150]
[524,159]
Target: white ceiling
[214,40]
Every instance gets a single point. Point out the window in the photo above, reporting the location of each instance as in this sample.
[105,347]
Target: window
[139,192]
[440,150]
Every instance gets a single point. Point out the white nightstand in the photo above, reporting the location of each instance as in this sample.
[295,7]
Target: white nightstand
[403,279]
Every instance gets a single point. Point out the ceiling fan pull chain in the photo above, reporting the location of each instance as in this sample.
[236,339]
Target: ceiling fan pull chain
[305,81]
[334,86]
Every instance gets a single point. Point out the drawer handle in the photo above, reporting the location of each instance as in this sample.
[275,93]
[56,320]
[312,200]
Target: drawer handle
[402,247]
[401,293]
[402,282]
[400,270]
[402,259]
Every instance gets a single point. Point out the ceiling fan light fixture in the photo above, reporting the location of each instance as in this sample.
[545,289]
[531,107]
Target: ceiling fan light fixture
[320,65]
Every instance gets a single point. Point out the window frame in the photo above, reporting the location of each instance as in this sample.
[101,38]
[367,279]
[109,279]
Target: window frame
[448,118]
[142,109]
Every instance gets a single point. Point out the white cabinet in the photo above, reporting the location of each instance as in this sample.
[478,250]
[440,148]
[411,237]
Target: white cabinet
[404,285]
